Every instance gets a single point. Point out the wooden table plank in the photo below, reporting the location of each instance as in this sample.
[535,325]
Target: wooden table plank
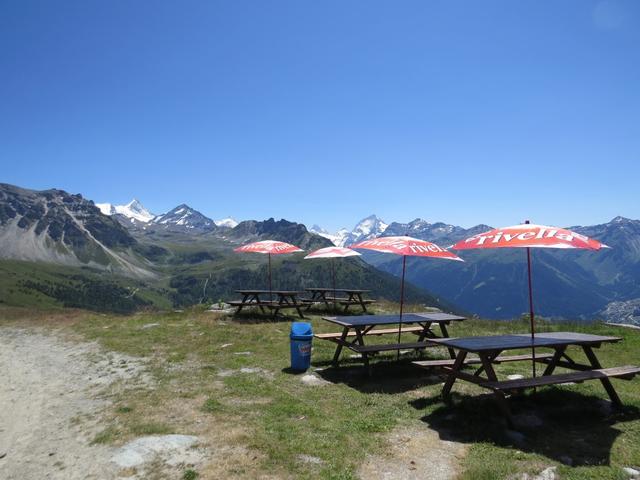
[515,341]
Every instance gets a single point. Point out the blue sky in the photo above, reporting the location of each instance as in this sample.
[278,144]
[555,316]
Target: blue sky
[325,112]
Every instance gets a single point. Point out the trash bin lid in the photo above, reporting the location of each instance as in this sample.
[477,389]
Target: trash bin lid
[301,329]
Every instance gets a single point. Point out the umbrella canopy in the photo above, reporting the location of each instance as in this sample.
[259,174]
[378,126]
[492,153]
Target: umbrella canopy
[529,235]
[332,253]
[406,246]
[270,247]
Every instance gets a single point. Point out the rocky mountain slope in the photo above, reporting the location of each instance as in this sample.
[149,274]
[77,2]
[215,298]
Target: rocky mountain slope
[57,227]
[283,230]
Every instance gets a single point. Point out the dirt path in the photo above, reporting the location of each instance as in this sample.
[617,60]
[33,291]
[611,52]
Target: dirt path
[415,453]
[50,403]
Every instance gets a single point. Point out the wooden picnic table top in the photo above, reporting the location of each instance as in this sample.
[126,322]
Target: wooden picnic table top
[516,341]
[329,289]
[368,320]
[277,292]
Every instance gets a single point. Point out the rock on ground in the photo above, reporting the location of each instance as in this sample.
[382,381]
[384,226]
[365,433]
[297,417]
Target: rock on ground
[632,472]
[172,449]
[313,381]
[415,453]
[548,473]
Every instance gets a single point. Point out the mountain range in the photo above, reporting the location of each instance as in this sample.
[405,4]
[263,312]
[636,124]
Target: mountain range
[180,218]
[176,251]
[573,284]
[60,249]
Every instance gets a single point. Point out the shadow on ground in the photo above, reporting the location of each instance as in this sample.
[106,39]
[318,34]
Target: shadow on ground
[386,377]
[565,426]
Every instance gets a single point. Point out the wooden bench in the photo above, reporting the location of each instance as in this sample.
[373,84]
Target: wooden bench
[626,372]
[240,303]
[378,331]
[341,300]
[354,302]
[271,305]
[542,357]
[389,347]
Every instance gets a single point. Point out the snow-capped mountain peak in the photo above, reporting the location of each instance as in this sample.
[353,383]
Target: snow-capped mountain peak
[106,208]
[183,217]
[228,222]
[370,226]
[133,210]
[337,238]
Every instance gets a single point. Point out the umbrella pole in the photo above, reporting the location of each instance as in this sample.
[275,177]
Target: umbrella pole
[270,289]
[531,314]
[333,275]
[404,267]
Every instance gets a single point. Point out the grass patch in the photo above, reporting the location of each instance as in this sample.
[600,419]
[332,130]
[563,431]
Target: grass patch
[217,374]
[107,436]
[190,475]
[212,405]
[140,429]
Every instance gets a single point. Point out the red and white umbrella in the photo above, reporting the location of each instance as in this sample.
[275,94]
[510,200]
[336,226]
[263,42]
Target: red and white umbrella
[332,253]
[406,246]
[529,235]
[270,247]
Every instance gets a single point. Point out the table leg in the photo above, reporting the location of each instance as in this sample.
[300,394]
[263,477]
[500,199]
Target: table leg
[244,299]
[341,342]
[256,297]
[323,298]
[360,333]
[486,359]
[347,303]
[426,331]
[298,308]
[606,383]
[559,353]
[457,366]
[311,301]
[362,304]
[445,334]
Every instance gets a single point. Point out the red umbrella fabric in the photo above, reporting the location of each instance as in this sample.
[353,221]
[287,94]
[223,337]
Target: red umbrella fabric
[332,252]
[406,246]
[529,235]
[270,247]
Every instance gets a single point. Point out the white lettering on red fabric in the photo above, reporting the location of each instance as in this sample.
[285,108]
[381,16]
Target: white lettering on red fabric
[526,235]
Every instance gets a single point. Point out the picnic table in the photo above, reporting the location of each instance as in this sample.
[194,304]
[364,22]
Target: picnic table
[352,296]
[356,329]
[264,299]
[488,350]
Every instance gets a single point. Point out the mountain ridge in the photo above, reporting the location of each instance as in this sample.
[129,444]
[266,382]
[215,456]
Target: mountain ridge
[61,228]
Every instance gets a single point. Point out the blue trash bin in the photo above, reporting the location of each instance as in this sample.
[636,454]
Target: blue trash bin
[300,337]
